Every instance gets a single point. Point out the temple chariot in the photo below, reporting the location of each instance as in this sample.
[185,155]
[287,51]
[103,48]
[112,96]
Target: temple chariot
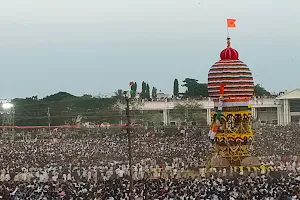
[231,86]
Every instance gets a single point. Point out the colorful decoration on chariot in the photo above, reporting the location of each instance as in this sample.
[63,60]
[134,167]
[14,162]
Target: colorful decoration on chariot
[236,76]
[231,86]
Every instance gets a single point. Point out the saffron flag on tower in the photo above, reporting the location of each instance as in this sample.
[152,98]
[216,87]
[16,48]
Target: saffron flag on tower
[231,23]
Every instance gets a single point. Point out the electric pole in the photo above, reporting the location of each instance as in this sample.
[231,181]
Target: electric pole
[129,145]
[49,120]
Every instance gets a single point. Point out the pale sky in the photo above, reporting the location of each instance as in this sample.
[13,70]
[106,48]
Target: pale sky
[98,46]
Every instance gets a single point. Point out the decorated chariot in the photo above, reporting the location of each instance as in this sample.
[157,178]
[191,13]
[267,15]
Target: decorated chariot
[231,86]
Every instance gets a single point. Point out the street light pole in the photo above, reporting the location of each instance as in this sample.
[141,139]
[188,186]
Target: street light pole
[129,145]
[8,118]
[13,121]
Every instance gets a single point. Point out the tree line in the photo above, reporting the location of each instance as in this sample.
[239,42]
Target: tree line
[195,89]
[66,108]
[192,89]
[145,92]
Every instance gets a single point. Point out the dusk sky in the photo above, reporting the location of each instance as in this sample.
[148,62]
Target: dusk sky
[98,46]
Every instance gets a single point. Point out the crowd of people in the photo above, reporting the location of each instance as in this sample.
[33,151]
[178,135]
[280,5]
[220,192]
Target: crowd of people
[94,165]
[277,140]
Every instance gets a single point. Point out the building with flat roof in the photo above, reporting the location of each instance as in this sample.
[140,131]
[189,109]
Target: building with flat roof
[289,107]
[281,110]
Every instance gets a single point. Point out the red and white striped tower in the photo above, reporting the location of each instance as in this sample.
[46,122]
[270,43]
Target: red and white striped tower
[235,75]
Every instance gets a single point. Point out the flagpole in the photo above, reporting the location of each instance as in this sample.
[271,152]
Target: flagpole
[227,32]
[227,29]
[230,24]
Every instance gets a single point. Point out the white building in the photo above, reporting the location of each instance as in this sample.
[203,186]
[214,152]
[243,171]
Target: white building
[289,107]
[283,110]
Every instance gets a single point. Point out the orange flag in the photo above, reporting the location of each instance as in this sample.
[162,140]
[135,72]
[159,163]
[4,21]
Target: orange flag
[231,23]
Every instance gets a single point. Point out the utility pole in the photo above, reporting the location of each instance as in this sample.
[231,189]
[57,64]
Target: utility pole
[186,117]
[129,145]
[121,121]
[49,120]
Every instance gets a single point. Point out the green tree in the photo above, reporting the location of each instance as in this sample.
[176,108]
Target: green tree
[134,89]
[87,96]
[145,116]
[119,94]
[195,89]
[176,88]
[189,111]
[154,93]
[191,85]
[261,91]
[135,113]
[59,96]
[64,108]
[202,90]
[144,88]
[148,92]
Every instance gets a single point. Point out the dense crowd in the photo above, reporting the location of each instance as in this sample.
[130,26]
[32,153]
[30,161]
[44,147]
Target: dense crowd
[277,140]
[94,165]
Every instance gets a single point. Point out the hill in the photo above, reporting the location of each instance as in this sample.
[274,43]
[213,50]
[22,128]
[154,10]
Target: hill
[64,108]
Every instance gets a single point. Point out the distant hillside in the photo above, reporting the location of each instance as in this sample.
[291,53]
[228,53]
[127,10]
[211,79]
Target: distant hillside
[64,108]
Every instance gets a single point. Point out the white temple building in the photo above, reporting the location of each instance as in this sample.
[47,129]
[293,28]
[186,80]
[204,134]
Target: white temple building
[282,110]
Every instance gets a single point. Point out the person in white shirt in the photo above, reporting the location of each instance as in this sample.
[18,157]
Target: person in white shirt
[89,175]
[7,177]
[135,173]
[45,177]
[120,173]
[141,172]
[2,176]
[69,177]
[174,172]
[55,176]
[64,177]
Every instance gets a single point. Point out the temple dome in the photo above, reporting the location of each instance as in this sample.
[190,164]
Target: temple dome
[229,53]
[233,74]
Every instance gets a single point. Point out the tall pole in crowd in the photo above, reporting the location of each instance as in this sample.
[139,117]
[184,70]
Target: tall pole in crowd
[129,145]
[49,120]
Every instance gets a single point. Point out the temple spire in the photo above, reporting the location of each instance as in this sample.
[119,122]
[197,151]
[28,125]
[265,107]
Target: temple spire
[228,42]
